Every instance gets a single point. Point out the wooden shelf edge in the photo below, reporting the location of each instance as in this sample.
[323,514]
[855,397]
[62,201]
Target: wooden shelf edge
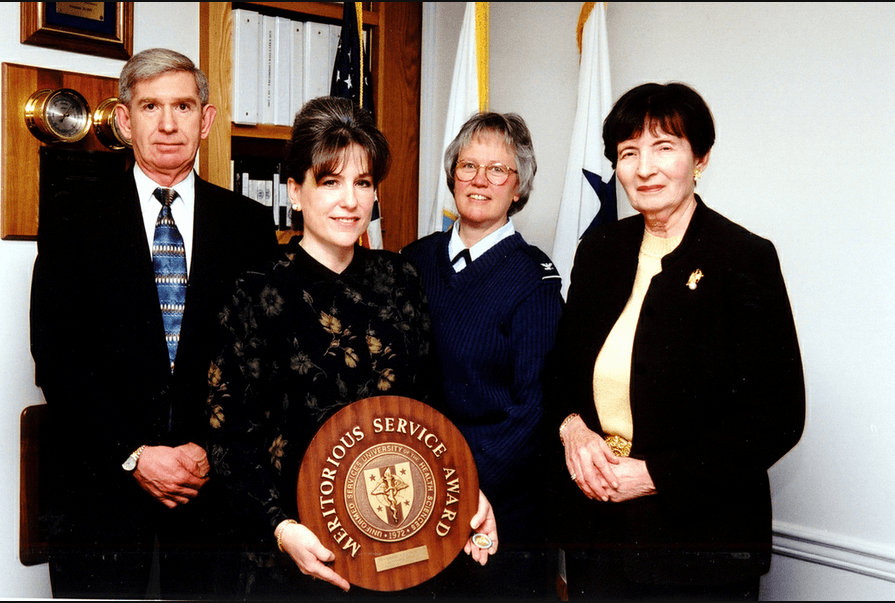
[260,131]
[331,11]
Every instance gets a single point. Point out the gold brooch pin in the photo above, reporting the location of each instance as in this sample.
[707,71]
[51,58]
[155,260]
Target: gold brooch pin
[694,279]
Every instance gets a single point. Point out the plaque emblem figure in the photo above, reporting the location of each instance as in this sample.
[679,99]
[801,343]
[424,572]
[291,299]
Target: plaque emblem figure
[390,492]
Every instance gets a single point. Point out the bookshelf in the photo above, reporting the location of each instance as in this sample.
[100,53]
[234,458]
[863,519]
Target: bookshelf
[396,35]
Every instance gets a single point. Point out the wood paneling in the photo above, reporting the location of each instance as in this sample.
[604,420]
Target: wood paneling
[216,60]
[396,78]
[21,161]
[33,547]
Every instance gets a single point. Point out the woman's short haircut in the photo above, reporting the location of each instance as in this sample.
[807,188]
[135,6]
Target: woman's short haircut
[153,62]
[512,129]
[675,108]
[323,129]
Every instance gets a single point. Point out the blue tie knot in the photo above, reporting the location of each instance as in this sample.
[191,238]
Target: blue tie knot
[165,196]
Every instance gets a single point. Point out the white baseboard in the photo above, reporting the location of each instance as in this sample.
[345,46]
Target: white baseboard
[834,550]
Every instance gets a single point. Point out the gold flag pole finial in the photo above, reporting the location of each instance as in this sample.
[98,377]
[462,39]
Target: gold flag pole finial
[586,9]
[482,42]
[359,10]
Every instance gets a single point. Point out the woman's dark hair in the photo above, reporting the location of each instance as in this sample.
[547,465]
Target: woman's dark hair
[512,130]
[323,129]
[675,108]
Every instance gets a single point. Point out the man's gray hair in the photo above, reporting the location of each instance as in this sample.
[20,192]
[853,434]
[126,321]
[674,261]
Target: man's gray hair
[154,62]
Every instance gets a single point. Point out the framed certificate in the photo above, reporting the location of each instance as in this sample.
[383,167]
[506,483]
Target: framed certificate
[103,29]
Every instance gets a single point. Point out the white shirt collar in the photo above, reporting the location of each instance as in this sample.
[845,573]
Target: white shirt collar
[182,208]
[456,245]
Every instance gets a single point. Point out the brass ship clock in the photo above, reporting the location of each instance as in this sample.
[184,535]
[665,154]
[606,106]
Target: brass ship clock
[60,115]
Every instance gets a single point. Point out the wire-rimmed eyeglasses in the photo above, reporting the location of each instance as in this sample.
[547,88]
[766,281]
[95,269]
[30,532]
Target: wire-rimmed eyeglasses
[496,173]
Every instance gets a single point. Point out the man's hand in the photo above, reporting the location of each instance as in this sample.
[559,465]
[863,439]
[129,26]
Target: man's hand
[172,476]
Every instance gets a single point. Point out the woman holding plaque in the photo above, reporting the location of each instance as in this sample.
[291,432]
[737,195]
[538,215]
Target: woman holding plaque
[329,324]
[676,380]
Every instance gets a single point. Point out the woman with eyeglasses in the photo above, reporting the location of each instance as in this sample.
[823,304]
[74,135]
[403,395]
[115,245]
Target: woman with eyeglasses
[495,302]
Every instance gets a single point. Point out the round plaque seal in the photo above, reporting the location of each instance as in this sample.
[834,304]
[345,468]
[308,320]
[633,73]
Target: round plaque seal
[389,485]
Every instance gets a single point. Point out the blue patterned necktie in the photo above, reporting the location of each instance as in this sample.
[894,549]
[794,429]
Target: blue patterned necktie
[169,262]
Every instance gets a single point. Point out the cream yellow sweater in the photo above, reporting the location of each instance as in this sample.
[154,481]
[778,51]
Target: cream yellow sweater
[612,371]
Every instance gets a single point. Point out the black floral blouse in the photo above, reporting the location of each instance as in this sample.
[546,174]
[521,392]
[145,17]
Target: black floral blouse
[299,343]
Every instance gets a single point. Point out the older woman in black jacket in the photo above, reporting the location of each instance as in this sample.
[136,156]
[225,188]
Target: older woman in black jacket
[676,379]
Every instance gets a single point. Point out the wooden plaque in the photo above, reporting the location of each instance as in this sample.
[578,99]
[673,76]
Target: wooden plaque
[389,485]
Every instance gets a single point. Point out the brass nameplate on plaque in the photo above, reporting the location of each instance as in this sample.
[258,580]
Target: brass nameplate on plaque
[387,562]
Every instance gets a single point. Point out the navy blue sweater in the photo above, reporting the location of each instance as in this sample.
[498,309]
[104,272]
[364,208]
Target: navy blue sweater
[494,323]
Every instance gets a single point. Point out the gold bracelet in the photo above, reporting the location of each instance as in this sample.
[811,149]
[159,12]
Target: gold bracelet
[564,423]
[618,445]
[281,529]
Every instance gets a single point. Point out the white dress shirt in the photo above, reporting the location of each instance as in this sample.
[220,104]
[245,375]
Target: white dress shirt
[182,208]
[456,245]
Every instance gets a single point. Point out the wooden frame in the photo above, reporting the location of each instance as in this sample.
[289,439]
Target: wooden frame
[33,545]
[107,32]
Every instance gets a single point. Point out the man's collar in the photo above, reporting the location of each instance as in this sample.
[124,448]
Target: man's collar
[146,185]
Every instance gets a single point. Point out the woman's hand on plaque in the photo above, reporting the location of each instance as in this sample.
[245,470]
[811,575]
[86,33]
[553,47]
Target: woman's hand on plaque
[309,554]
[482,542]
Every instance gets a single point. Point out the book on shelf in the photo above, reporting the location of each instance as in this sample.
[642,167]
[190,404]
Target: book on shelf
[268,64]
[246,59]
[259,178]
[282,79]
[278,65]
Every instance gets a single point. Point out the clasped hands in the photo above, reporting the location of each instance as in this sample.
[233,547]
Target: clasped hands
[173,476]
[598,472]
[311,556]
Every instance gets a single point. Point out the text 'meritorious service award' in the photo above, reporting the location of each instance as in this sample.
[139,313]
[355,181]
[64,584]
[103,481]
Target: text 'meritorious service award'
[389,485]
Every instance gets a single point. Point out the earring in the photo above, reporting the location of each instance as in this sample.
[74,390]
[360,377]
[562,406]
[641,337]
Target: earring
[295,207]
[697,174]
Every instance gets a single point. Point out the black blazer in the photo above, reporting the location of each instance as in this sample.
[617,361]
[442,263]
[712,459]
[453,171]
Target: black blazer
[717,396]
[98,340]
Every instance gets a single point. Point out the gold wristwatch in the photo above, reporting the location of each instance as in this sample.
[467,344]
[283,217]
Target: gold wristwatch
[131,462]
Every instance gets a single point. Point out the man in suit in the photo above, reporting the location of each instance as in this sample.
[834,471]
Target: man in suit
[126,391]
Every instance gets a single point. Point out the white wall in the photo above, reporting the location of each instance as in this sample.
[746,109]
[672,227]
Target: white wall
[534,72]
[801,94]
[169,24]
